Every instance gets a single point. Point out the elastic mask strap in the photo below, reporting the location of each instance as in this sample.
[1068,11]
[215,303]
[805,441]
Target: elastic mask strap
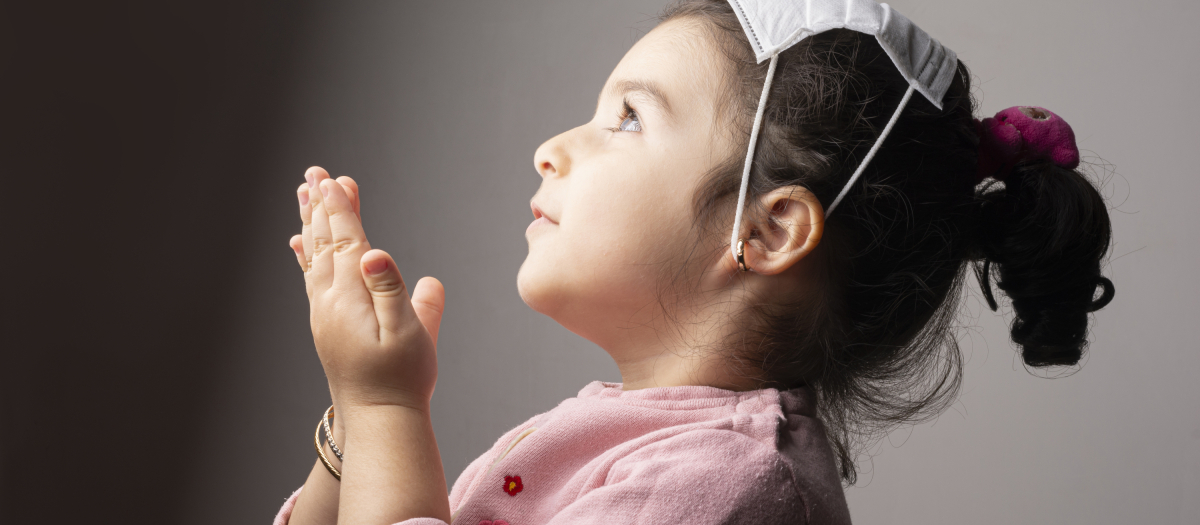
[871,154]
[762,104]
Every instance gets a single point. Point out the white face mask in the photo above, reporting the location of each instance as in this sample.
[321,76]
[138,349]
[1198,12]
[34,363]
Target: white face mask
[773,26]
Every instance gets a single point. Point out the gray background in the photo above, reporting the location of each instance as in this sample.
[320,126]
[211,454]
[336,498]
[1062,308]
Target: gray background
[436,109]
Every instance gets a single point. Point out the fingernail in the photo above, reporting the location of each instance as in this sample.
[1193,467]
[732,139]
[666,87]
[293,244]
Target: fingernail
[303,195]
[376,266]
[324,191]
[308,177]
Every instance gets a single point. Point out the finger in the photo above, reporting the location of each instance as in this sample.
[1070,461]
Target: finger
[351,192]
[306,245]
[393,309]
[321,269]
[297,244]
[349,240]
[429,300]
[306,225]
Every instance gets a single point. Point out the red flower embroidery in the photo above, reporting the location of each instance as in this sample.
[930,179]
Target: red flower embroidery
[512,485]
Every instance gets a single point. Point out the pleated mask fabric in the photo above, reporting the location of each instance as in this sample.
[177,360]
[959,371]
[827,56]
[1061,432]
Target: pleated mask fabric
[776,25]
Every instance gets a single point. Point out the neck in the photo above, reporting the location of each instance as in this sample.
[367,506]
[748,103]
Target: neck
[684,349]
[672,369]
[690,346]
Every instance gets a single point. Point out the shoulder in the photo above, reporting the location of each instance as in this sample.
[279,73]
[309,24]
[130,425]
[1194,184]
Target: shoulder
[707,447]
[778,470]
[714,472]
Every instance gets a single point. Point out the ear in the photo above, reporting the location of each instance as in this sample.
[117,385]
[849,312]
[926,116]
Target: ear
[786,228]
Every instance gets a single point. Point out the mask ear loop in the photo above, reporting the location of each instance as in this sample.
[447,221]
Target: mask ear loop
[735,241]
[736,244]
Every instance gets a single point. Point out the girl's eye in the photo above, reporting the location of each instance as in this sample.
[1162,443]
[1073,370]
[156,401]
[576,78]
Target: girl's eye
[630,121]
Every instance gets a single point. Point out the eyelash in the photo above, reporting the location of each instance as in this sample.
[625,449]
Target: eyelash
[627,112]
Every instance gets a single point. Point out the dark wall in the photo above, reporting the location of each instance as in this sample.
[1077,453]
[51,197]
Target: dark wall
[157,364]
[130,147]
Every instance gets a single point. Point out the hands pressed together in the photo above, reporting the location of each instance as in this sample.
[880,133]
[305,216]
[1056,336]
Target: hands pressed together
[378,348]
[376,344]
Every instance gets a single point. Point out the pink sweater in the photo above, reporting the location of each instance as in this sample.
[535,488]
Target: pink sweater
[691,454]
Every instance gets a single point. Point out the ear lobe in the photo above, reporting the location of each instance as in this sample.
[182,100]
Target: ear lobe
[789,229]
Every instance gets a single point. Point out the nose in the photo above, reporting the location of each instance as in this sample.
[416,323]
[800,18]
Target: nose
[552,158]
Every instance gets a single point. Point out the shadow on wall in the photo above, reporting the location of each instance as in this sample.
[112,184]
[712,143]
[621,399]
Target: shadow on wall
[158,365]
[131,137]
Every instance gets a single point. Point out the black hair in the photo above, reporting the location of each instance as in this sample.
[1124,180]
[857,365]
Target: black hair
[875,341]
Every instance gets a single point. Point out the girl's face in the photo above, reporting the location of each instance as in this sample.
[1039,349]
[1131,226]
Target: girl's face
[614,216]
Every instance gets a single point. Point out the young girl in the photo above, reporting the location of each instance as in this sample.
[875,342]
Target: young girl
[753,369]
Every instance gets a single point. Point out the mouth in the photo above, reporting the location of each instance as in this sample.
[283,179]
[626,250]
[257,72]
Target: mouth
[539,218]
[539,215]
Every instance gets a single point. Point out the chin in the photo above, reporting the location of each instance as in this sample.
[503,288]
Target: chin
[551,291]
[533,285]
[547,295]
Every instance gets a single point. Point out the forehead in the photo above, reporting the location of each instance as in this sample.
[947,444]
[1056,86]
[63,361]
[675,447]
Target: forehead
[678,58]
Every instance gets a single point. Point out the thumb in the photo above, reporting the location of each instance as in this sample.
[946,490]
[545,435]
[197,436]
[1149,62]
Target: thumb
[429,300]
[388,293]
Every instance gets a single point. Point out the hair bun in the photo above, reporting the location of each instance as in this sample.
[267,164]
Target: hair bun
[1043,234]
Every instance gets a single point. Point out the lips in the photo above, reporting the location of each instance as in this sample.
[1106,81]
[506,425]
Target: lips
[538,214]
[539,218]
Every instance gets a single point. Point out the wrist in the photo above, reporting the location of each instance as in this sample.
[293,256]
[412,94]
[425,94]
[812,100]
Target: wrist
[372,425]
[391,449]
[366,403]
[364,414]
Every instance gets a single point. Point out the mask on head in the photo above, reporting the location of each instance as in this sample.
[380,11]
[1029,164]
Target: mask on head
[773,26]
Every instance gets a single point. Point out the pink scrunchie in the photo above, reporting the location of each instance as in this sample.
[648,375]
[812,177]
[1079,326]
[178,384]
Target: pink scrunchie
[1023,133]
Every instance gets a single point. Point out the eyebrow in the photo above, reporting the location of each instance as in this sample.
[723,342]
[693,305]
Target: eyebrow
[622,87]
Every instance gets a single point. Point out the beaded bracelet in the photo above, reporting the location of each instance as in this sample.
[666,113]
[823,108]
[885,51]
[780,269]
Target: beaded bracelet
[321,454]
[329,433]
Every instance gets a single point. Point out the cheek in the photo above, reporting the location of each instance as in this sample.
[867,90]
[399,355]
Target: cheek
[619,231]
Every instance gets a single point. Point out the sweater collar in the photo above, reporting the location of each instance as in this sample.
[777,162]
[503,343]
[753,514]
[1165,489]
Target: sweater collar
[692,397]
